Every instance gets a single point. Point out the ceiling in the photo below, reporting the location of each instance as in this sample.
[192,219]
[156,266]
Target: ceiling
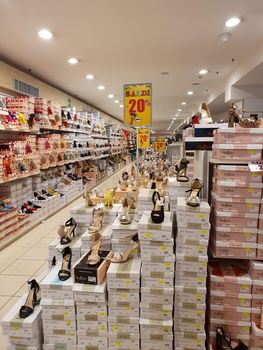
[131,41]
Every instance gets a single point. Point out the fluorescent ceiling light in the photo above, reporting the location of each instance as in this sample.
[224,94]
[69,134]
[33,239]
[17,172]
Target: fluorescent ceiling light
[116,101]
[121,106]
[190,93]
[101,87]
[45,34]
[179,110]
[73,60]
[232,22]
[183,103]
[203,71]
[110,96]
[174,118]
[89,76]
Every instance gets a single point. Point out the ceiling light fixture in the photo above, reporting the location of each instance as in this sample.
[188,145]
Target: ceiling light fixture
[232,22]
[101,87]
[224,37]
[183,103]
[45,34]
[121,106]
[89,76]
[73,60]
[110,96]
[203,71]
[116,101]
[179,110]
[190,93]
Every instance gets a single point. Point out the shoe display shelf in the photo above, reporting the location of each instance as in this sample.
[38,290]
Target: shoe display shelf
[236,280]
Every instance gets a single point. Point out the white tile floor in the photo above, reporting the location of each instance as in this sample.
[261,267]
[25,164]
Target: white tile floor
[25,259]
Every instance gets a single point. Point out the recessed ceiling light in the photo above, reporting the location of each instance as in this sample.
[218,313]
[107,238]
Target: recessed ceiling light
[89,76]
[177,115]
[45,34]
[174,118]
[116,101]
[179,110]
[232,22]
[121,106]
[73,60]
[110,96]
[203,71]
[101,87]
[190,93]
[183,103]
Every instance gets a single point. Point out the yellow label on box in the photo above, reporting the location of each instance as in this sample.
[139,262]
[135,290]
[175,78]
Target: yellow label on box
[198,341]
[127,308]
[246,328]
[198,296]
[148,235]
[124,296]
[246,314]
[117,342]
[201,216]
[248,250]
[101,328]
[165,312]
[197,326]
[165,328]
[242,301]
[203,232]
[164,247]
[250,205]
[127,282]
[161,281]
[65,313]
[247,234]
[201,247]
[202,264]
[102,313]
[250,190]
[200,312]
[68,323]
[167,264]
[251,151]
[116,328]
[244,286]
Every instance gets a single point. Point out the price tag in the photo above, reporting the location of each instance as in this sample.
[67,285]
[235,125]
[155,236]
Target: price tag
[102,313]
[124,296]
[127,282]
[256,167]
[143,138]
[159,145]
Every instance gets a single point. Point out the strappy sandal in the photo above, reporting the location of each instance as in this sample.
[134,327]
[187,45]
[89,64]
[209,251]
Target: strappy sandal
[157,213]
[181,171]
[65,273]
[32,300]
[94,257]
[69,233]
[122,257]
[194,198]
[96,224]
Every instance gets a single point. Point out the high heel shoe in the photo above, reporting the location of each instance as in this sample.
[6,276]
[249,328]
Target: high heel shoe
[224,341]
[32,300]
[181,171]
[94,257]
[65,273]
[97,218]
[88,201]
[69,233]
[119,257]
[123,185]
[157,213]
[125,217]
[194,199]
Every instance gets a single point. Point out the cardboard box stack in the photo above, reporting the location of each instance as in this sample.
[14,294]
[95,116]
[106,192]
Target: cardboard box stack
[230,299]
[23,333]
[157,280]
[176,189]
[91,314]
[191,272]
[123,282]
[58,312]
[145,201]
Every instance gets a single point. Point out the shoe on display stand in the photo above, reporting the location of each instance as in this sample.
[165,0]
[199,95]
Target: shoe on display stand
[119,257]
[181,171]
[88,200]
[94,257]
[65,273]
[125,217]
[194,198]
[67,231]
[97,218]
[32,300]
[157,213]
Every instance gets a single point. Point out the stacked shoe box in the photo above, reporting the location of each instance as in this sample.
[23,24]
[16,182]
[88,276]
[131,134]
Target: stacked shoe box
[59,318]
[235,211]
[23,333]
[123,282]
[145,202]
[91,313]
[176,189]
[55,249]
[260,226]
[191,272]
[256,273]
[157,281]
[230,299]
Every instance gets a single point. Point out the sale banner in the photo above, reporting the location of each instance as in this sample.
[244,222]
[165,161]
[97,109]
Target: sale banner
[143,138]
[138,104]
[159,145]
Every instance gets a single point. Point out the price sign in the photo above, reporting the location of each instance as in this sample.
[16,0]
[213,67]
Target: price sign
[256,166]
[143,138]
[138,104]
[159,145]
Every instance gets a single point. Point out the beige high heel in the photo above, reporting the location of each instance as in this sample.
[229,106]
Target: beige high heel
[97,218]
[123,185]
[88,201]
[122,257]
[125,217]
[94,257]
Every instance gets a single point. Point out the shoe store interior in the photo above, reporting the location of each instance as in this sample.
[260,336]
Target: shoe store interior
[131,165]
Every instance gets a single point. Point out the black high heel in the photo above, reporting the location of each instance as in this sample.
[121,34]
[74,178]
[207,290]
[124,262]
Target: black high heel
[70,232]
[45,193]
[65,273]
[224,341]
[39,196]
[153,186]
[32,300]
[157,213]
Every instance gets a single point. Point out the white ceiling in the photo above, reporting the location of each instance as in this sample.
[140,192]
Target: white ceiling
[131,41]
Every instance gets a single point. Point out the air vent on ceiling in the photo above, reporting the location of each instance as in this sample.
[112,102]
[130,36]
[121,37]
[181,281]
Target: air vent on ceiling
[26,88]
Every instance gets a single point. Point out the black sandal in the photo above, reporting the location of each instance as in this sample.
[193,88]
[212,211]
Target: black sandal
[32,300]
[157,213]
[70,232]
[65,273]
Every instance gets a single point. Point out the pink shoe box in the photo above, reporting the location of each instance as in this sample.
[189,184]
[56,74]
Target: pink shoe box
[230,299]
[230,313]
[236,206]
[261,206]
[221,218]
[240,173]
[256,315]
[238,152]
[260,252]
[235,189]
[257,301]
[260,236]
[229,277]
[238,135]
[243,337]
[220,235]
[256,270]
[256,339]
[233,327]
[260,222]
[233,250]
[257,287]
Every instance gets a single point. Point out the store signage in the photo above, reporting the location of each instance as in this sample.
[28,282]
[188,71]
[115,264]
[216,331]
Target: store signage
[256,166]
[159,145]
[143,138]
[138,104]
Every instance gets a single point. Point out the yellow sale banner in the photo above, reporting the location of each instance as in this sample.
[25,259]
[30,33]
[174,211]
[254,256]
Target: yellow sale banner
[143,138]
[159,145]
[138,104]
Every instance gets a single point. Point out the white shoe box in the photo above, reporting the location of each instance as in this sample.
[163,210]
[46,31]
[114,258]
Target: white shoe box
[60,336]
[154,311]
[158,248]
[157,282]
[193,294]
[189,325]
[157,295]
[57,324]
[145,200]
[98,343]
[84,333]
[147,344]
[191,247]
[124,309]
[13,325]
[186,263]
[155,232]
[177,189]
[189,279]
[119,324]
[56,249]
[90,293]
[148,326]
[16,347]
[125,342]
[159,259]
[125,275]
[156,274]
[148,266]
[93,326]
[126,295]
[87,238]
[58,310]
[189,310]
[193,341]
[22,341]
[52,288]
[86,311]
[60,346]
[121,231]
[193,233]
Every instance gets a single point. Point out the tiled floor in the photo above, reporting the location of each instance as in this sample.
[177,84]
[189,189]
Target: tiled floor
[24,259]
